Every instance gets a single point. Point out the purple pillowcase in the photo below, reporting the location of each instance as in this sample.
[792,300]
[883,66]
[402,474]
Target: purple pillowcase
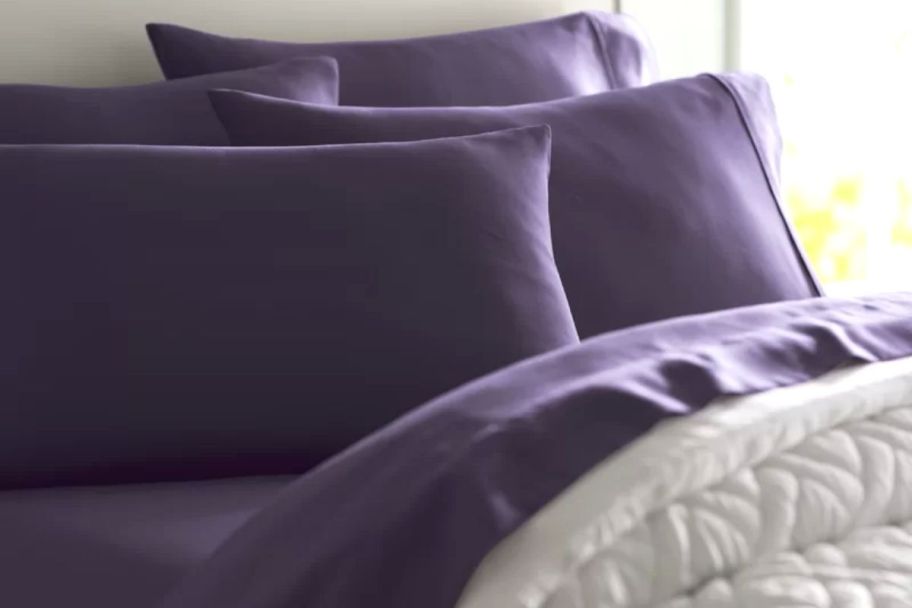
[662,202]
[576,54]
[195,312]
[167,113]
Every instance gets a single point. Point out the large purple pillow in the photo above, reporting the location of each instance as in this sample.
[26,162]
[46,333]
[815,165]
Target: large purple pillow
[192,312]
[176,113]
[663,201]
[576,54]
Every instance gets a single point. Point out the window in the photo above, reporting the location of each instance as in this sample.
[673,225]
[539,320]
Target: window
[841,75]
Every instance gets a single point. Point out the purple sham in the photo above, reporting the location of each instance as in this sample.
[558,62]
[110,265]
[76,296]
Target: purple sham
[200,312]
[166,113]
[575,54]
[663,202]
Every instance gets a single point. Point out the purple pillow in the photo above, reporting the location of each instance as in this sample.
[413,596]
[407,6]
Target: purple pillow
[176,113]
[572,55]
[661,202]
[196,312]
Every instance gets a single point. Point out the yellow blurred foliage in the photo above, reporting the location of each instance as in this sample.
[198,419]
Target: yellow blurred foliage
[831,230]
[902,229]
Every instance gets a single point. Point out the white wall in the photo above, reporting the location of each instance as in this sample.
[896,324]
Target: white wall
[688,35]
[102,42]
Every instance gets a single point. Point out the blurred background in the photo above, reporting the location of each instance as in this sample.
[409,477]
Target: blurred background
[841,74]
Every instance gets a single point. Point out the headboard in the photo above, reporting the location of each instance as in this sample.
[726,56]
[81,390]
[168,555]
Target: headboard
[102,42]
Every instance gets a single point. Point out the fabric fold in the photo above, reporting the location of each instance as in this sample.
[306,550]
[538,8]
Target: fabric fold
[404,517]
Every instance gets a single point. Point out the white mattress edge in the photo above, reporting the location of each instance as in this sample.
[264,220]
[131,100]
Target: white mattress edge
[660,466]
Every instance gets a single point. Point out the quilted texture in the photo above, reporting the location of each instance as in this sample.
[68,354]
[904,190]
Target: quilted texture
[783,530]
[441,488]
[870,567]
[801,497]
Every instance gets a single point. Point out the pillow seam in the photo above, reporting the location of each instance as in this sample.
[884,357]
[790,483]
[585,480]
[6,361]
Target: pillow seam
[774,192]
[603,45]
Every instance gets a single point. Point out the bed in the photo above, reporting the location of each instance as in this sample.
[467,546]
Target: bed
[467,320]
[797,492]
[118,545]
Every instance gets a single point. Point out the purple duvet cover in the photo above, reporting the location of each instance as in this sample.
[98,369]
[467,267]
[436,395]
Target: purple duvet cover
[403,518]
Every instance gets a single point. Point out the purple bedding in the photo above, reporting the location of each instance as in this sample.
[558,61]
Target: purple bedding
[186,313]
[403,517]
[122,545]
[159,113]
[574,54]
[664,199]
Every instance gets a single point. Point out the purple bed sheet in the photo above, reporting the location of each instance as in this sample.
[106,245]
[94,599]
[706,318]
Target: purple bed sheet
[404,517]
[124,545]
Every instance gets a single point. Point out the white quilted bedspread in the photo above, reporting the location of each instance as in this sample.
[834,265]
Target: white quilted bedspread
[795,497]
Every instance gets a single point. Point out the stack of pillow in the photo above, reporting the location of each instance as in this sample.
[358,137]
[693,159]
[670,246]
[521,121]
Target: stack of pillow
[180,308]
